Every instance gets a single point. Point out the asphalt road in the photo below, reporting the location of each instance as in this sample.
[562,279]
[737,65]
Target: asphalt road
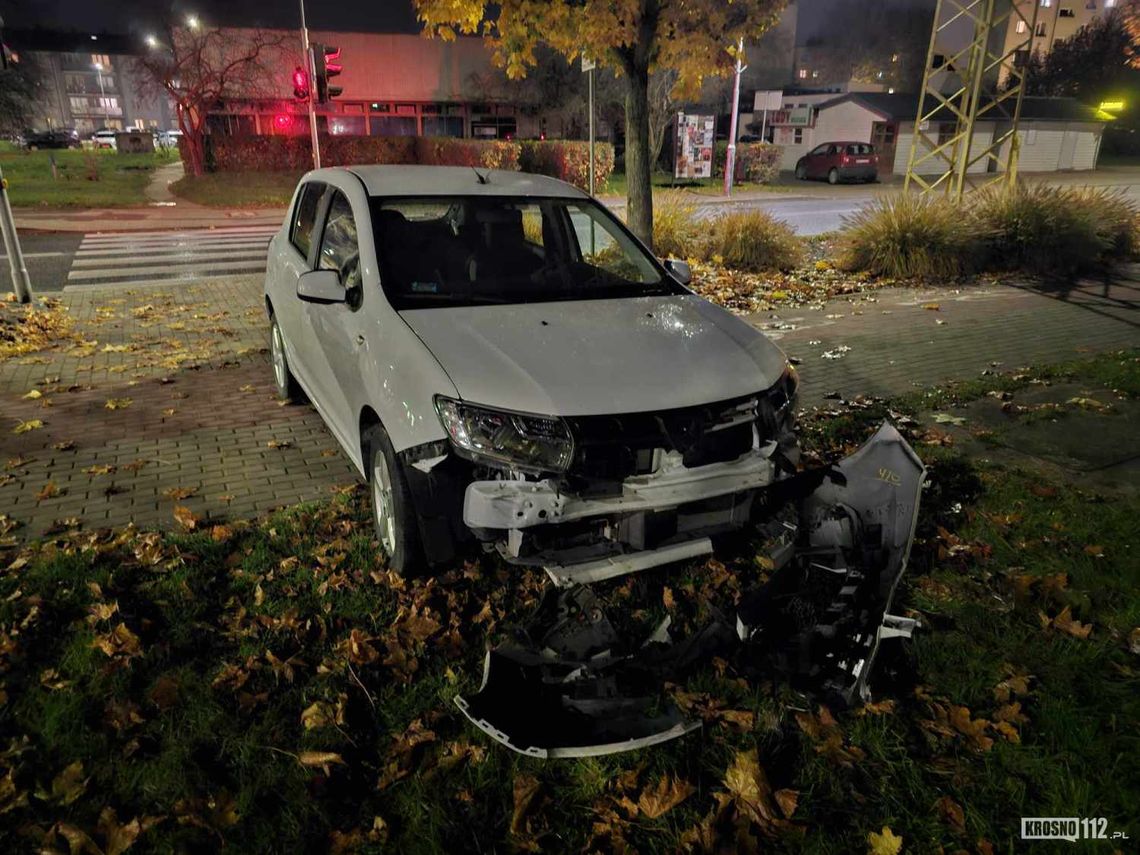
[99,260]
[48,258]
[808,216]
[52,262]
[810,208]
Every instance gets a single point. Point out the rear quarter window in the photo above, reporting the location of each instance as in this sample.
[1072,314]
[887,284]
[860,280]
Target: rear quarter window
[305,217]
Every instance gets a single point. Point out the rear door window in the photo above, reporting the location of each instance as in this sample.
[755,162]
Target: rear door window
[305,217]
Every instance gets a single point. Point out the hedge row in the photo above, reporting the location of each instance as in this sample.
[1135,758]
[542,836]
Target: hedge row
[294,153]
[758,162]
[449,151]
[564,159]
[569,161]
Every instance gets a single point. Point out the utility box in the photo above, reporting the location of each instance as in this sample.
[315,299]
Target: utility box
[134,142]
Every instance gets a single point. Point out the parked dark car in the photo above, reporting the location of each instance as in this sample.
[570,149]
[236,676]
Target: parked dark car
[840,161]
[55,138]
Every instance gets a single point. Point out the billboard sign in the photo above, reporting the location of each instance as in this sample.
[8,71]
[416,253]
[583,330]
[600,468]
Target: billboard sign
[768,99]
[693,153]
[800,117]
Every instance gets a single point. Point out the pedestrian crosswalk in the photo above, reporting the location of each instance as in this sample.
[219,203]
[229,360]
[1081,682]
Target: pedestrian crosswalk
[168,258]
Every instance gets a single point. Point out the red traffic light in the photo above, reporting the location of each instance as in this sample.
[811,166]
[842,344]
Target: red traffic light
[325,66]
[300,83]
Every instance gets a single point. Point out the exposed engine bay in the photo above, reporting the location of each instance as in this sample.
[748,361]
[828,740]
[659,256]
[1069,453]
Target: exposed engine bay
[837,539]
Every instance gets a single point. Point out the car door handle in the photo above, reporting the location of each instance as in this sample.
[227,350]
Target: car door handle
[360,340]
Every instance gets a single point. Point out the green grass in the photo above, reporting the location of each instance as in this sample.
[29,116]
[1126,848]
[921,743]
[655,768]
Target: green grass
[83,179]
[201,727]
[238,190]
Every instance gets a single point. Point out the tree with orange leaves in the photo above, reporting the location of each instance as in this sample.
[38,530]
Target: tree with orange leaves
[696,38]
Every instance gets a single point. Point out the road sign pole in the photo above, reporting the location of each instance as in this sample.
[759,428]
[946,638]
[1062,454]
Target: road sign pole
[730,157]
[21,282]
[591,131]
[312,71]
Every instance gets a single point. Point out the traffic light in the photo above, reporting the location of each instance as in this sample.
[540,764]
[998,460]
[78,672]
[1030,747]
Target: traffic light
[326,66]
[300,84]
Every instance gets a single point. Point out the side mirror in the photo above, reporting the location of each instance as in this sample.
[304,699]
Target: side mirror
[321,286]
[679,269]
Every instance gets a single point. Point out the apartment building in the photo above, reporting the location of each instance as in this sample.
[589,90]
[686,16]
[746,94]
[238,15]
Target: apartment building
[89,82]
[1056,21]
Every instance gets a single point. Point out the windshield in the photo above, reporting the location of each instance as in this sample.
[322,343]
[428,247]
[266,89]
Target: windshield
[477,250]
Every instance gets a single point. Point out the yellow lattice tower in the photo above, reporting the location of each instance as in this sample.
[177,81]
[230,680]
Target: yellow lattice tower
[983,78]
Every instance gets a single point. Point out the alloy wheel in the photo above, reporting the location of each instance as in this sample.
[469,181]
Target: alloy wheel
[382,506]
[278,356]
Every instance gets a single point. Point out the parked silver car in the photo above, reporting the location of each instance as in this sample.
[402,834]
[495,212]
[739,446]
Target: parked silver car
[507,365]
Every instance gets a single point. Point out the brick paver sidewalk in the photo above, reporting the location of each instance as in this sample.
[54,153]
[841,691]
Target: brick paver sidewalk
[203,429]
[891,341]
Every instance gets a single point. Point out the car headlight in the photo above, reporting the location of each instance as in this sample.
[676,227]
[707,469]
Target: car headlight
[541,443]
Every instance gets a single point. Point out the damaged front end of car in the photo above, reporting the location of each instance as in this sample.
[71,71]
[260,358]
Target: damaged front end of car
[837,539]
[591,499]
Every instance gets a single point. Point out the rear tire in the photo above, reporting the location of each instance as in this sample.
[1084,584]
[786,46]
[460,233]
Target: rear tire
[833,176]
[393,512]
[801,172]
[288,389]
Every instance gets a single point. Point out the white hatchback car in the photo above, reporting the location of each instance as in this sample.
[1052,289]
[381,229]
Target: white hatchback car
[506,364]
[105,138]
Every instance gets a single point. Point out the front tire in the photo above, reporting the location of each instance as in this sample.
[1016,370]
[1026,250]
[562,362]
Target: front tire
[393,512]
[833,176]
[801,172]
[288,389]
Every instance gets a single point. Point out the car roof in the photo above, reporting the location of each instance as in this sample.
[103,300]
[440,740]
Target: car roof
[404,180]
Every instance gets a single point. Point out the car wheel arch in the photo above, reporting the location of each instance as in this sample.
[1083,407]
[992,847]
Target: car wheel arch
[369,419]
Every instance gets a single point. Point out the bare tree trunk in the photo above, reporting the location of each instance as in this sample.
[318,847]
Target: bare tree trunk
[660,111]
[638,165]
[192,140]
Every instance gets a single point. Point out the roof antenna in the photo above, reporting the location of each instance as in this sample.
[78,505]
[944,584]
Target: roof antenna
[482,178]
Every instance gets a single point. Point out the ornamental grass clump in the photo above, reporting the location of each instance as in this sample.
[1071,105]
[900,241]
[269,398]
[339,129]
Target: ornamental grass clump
[909,235]
[752,241]
[1043,229]
[675,228]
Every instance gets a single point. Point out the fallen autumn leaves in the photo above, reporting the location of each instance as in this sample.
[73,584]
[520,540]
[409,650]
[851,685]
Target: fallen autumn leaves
[271,685]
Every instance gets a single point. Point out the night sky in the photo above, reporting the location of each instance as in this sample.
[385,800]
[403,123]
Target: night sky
[140,16]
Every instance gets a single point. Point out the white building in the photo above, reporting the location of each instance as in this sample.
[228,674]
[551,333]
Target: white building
[1056,134]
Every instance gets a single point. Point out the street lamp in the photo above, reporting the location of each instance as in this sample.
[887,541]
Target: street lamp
[102,93]
[192,21]
[151,42]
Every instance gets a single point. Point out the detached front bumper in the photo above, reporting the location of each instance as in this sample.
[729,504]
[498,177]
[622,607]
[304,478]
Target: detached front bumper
[568,684]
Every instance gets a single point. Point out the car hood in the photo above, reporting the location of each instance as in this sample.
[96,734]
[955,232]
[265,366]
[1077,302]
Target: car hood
[593,357]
